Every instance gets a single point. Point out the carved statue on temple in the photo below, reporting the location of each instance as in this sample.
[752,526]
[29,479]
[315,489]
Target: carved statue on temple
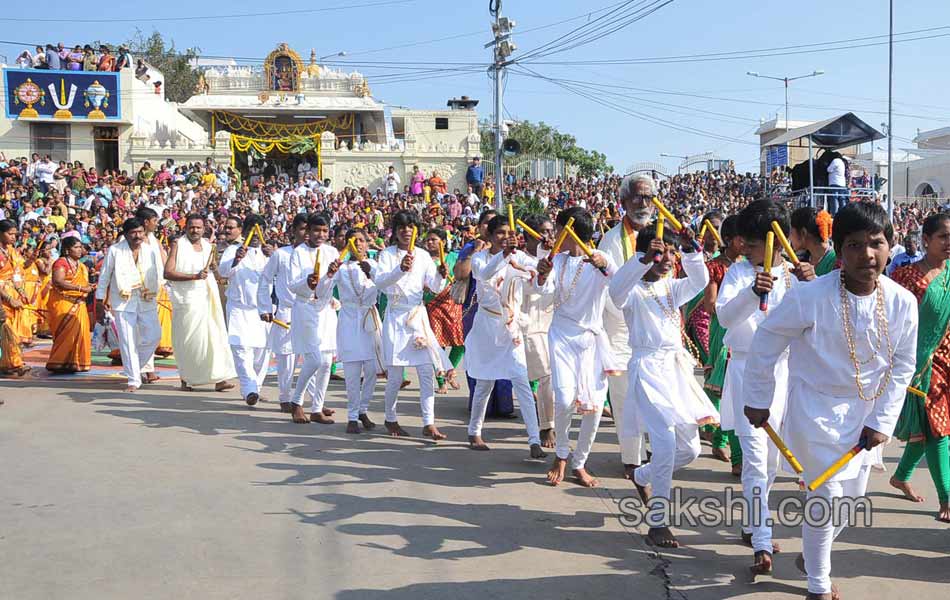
[282,69]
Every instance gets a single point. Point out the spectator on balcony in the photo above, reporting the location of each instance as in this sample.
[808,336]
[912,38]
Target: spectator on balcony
[39,58]
[125,58]
[90,61]
[74,59]
[25,60]
[438,185]
[52,58]
[141,71]
[106,60]
[63,53]
[392,181]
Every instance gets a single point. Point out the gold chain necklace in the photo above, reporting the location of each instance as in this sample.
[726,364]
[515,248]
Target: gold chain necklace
[560,284]
[881,319]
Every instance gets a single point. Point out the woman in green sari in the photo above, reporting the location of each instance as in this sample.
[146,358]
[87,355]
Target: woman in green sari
[714,368]
[810,237]
[925,420]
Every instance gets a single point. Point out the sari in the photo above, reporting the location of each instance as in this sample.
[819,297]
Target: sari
[827,263]
[69,322]
[164,348]
[445,316]
[928,417]
[11,287]
[32,282]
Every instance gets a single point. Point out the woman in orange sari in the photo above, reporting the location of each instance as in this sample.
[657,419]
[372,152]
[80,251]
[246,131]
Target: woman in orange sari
[12,300]
[68,317]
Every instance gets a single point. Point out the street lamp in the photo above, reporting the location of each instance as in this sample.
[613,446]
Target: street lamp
[785,80]
[340,53]
[679,167]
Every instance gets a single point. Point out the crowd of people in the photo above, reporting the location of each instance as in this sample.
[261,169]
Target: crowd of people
[78,58]
[689,273]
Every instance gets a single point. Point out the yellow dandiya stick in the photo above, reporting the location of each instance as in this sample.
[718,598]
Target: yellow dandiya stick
[715,232]
[412,240]
[441,252]
[349,251]
[280,323]
[563,236]
[660,219]
[837,466]
[702,230]
[784,242]
[767,267]
[260,233]
[587,249]
[511,217]
[674,223]
[316,264]
[250,236]
[916,392]
[783,449]
[527,229]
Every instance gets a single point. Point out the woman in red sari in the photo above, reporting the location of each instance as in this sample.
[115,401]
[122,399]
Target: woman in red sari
[67,314]
[445,316]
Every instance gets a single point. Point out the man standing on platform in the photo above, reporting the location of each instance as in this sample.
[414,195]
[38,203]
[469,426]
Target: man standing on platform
[475,176]
[636,194]
[199,334]
[130,277]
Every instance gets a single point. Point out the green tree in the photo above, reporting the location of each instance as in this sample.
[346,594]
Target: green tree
[541,139]
[176,66]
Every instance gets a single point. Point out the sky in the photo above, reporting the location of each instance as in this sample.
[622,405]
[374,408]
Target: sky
[632,112]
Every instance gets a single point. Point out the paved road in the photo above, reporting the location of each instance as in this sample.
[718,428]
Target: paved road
[161,494]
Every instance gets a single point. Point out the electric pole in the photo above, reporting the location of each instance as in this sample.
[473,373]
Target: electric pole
[503,48]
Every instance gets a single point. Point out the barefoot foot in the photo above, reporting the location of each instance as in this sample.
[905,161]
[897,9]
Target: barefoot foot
[185,387]
[720,454]
[641,489]
[223,386]
[547,438]
[737,470]
[905,489]
[557,470]
[328,412]
[585,478]
[353,427]
[394,429]
[537,452]
[367,422]
[321,418]
[662,537]
[475,442]
[431,431]
[286,407]
[944,514]
[762,564]
[299,415]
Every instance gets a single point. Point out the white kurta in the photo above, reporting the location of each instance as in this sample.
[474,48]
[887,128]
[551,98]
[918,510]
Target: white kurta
[359,332]
[581,357]
[825,415]
[313,315]
[406,320]
[737,308]
[245,327]
[276,277]
[660,370]
[536,315]
[494,347]
[614,321]
[199,334]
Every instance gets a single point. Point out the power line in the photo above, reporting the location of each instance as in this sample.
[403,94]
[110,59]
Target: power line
[209,17]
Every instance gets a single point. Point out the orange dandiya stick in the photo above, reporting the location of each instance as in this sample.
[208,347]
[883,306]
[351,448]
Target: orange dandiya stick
[563,236]
[783,448]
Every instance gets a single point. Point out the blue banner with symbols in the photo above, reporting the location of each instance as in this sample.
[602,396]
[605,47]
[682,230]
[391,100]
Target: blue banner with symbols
[66,95]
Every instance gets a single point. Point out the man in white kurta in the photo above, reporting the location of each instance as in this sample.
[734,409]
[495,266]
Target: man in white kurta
[247,333]
[494,348]
[408,340]
[199,334]
[663,390]
[619,244]
[826,415]
[581,359]
[313,333]
[737,307]
[358,335]
[275,283]
[130,277]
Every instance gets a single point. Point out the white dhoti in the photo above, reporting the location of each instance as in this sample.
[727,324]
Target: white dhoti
[199,336]
[247,335]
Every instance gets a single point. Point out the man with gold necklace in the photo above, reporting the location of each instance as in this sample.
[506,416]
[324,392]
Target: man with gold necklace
[852,339]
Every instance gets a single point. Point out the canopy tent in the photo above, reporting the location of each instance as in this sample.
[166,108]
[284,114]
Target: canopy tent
[831,134]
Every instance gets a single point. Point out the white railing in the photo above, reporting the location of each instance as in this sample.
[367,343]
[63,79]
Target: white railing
[254,81]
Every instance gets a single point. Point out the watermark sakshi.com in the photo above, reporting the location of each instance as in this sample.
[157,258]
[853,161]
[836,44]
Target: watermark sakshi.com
[731,509]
